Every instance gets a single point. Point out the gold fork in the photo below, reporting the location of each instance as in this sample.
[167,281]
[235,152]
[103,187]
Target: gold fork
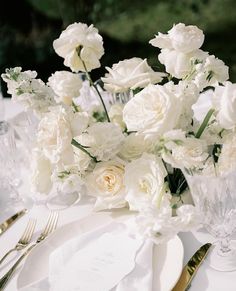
[24,240]
[50,227]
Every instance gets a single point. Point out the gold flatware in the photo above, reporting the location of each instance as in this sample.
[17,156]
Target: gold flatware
[24,240]
[6,224]
[49,228]
[190,270]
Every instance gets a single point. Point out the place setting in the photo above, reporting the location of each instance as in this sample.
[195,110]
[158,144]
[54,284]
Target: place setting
[126,182]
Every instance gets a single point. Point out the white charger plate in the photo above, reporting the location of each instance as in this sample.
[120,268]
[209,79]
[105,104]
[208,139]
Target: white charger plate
[167,262]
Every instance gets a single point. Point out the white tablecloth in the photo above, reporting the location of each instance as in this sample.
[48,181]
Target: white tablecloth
[206,278]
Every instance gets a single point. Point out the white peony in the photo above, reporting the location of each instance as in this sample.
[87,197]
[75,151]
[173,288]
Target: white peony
[182,38]
[41,173]
[54,135]
[144,181]
[66,85]
[184,152]
[130,74]
[102,140]
[224,101]
[80,44]
[134,146]
[154,110]
[106,183]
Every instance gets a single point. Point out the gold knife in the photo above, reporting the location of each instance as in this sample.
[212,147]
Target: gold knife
[6,224]
[190,270]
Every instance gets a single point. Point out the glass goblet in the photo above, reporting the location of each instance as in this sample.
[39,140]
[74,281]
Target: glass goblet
[215,199]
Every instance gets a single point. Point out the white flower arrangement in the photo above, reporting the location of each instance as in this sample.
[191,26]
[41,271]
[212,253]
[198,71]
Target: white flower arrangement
[128,141]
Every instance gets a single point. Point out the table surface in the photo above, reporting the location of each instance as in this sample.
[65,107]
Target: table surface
[205,279]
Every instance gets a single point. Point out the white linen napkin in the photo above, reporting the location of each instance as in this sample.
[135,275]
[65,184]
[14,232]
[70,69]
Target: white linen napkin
[96,261]
[105,259]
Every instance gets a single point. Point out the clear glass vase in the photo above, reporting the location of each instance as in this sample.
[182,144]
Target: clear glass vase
[215,199]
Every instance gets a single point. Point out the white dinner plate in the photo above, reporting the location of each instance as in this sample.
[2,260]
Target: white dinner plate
[168,258]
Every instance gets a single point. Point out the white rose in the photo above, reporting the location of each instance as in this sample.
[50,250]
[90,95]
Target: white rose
[66,85]
[103,140]
[130,74]
[224,101]
[144,181]
[106,183]
[54,135]
[154,110]
[181,38]
[184,152]
[116,115]
[41,173]
[134,146]
[80,43]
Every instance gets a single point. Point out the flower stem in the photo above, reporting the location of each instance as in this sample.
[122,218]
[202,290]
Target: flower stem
[79,146]
[95,87]
[204,123]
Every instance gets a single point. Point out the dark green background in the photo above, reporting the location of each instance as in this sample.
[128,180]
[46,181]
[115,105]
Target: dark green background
[28,28]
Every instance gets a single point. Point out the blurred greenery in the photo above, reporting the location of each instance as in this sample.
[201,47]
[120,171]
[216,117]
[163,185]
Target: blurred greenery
[28,30]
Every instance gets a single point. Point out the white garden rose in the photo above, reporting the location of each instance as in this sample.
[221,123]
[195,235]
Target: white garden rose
[184,152]
[80,44]
[134,146]
[54,135]
[102,140]
[224,101]
[130,74]
[66,85]
[182,38]
[106,183]
[154,110]
[144,182]
[41,173]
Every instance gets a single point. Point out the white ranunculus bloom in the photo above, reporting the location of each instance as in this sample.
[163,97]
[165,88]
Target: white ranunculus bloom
[182,38]
[106,183]
[130,74]
[54,135]
[103,140]
[224,101]
[134,146]
[41,173]
[116,115]
[184,152]
[154,110]
[144,181]
[66,85]
[80,43]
